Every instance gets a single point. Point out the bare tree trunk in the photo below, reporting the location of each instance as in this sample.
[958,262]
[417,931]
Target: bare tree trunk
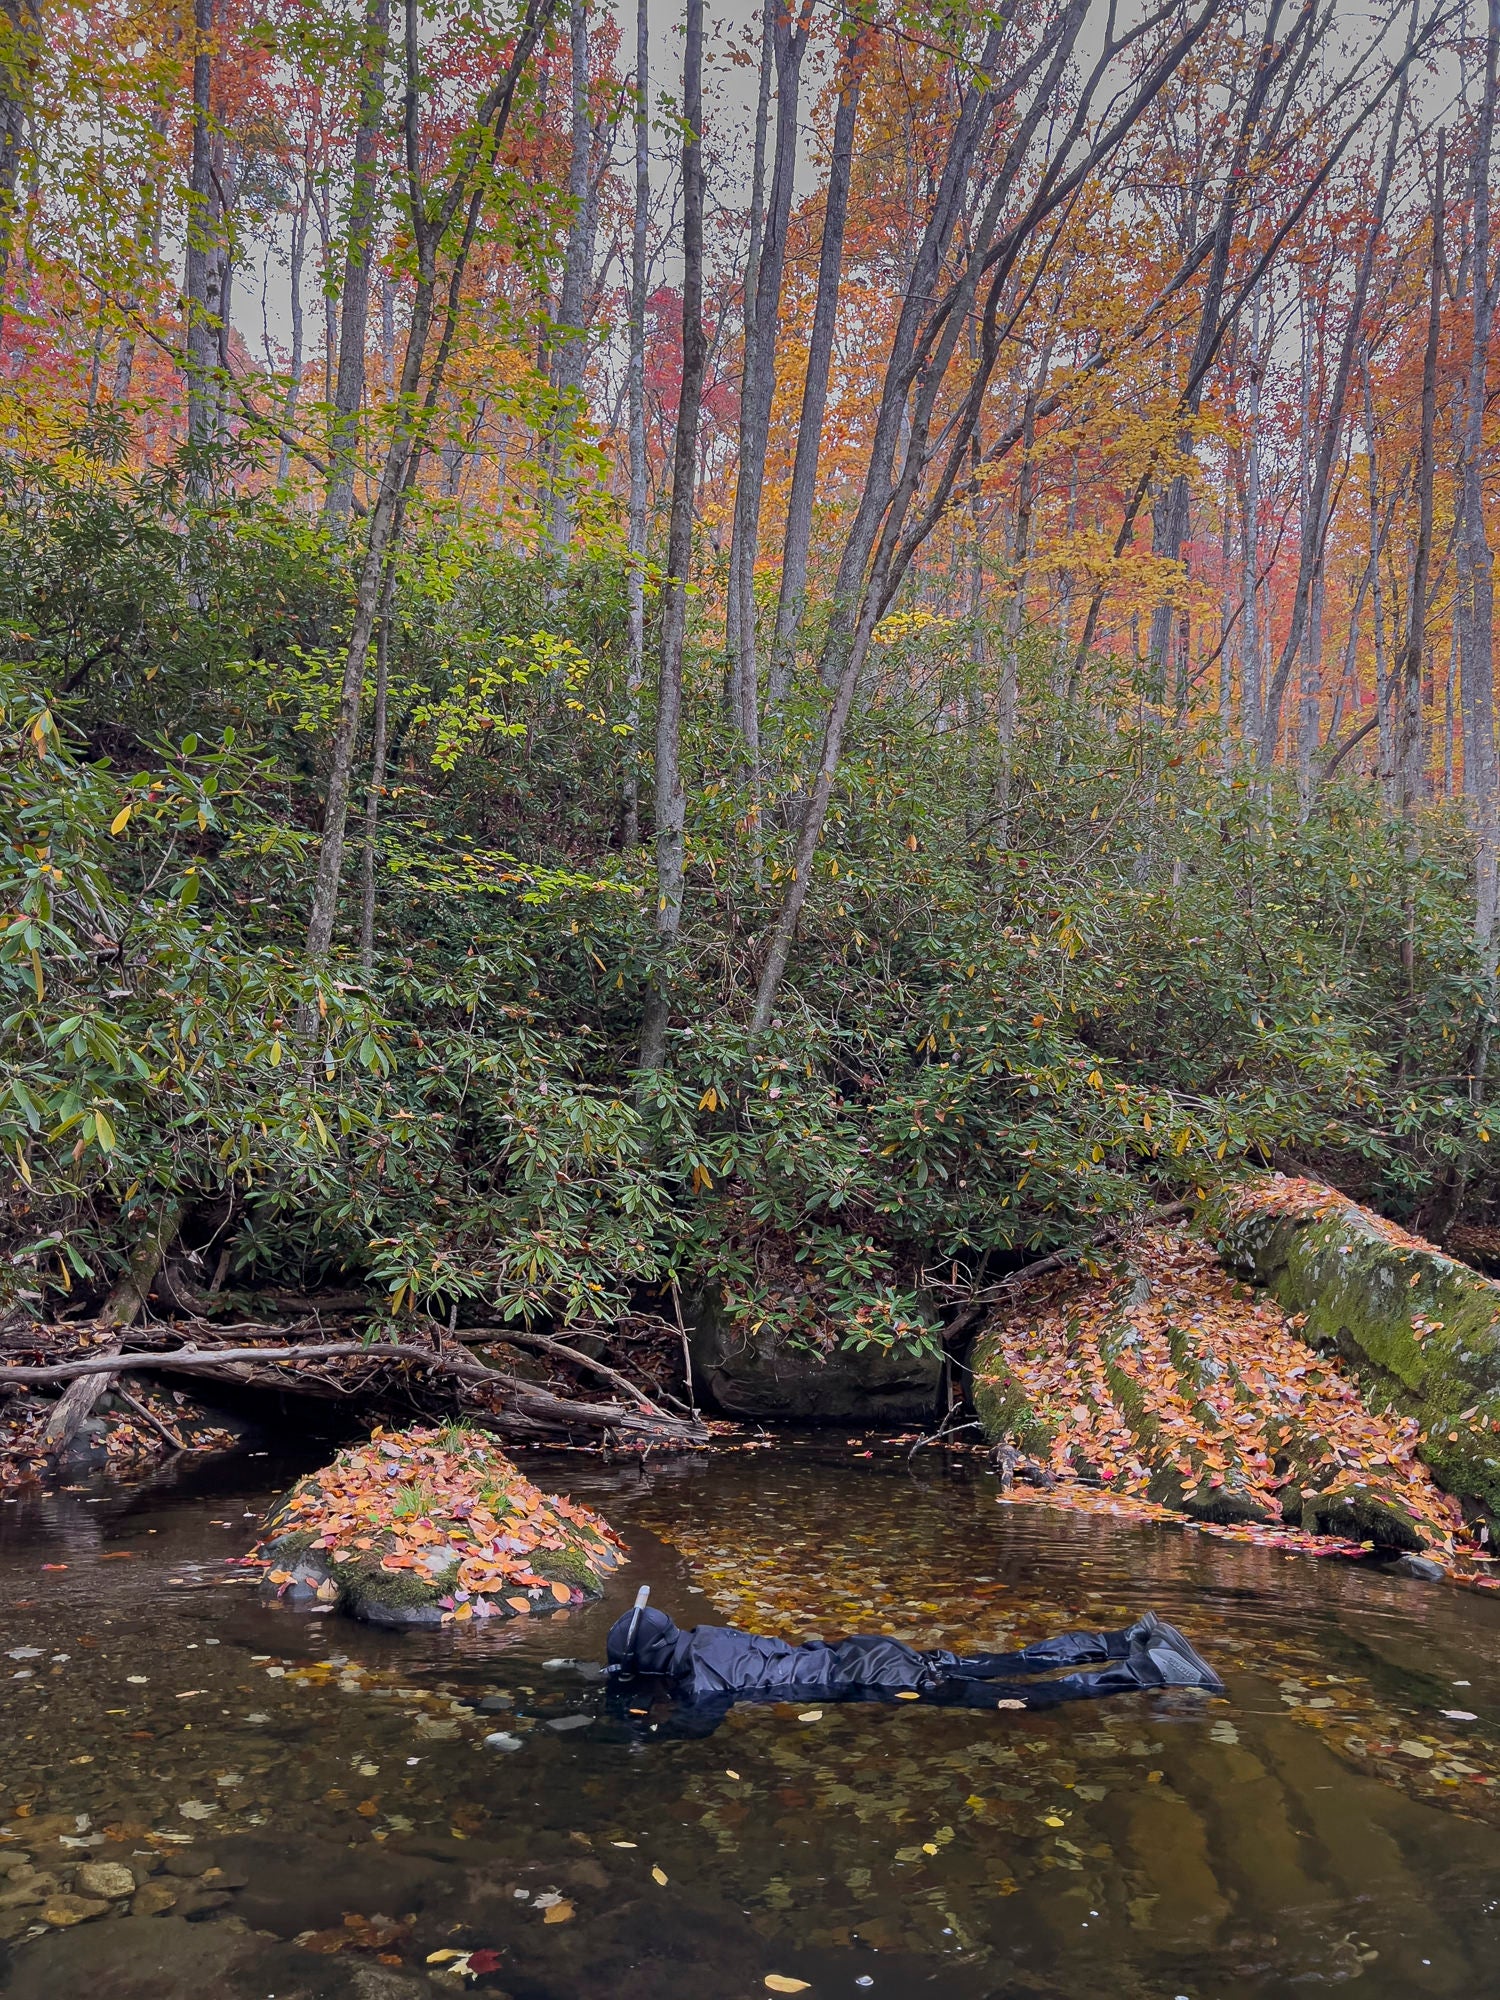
[1476,595]
[124,1305]
[1315,512]
[572,352]
[295,263]
[20,53]
[202,268]
[798,539]
[750,333]
[635,672]
[431,221]
[789,43]
[1310,675]
[377,785]
[1015,611]
[1409,760]
[671,801]
[359,259]
[1251,652]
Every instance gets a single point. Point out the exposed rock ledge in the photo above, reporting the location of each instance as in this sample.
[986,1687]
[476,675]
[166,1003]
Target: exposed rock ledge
[430,1527]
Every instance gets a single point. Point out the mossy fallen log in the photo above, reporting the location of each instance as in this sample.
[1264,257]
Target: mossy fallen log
[431,1527]
[1421,1330]
[1164,1381]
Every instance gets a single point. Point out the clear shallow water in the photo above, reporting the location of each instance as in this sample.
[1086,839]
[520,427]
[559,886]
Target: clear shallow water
[1324,1826]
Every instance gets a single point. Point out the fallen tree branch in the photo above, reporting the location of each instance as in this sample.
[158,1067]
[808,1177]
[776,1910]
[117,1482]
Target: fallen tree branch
[483,1335]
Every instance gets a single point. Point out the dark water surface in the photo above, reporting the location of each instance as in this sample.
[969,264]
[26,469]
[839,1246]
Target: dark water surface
[1325,1826]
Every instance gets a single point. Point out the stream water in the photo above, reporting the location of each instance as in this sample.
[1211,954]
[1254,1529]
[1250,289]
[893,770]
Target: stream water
[1325,1825]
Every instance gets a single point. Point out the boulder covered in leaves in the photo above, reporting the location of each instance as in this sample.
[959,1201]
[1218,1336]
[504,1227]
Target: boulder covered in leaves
[431,1527]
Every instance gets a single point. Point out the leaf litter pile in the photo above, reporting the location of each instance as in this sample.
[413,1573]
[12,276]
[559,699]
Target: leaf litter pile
[1166,1388]
[442,1515]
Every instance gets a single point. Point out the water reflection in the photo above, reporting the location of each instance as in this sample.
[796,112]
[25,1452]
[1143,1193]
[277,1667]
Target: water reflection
[1326,1824]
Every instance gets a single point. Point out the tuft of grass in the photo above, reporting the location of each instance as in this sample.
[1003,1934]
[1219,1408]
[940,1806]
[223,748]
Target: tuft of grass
[413,1500]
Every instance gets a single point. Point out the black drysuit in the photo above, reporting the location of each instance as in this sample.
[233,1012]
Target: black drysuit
[714,1666]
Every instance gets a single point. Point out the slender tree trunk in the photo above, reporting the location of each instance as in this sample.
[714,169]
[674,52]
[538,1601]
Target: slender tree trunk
[295,263]
[461,205]
[572,330]
[1252,654]
[377,785]
[1409,759]
[20,54]
[797,542]
[1310,674]
[1315,512]
[635,672]
[789,44]
[750,325]
[671,800]
[1476,597]
[203,269]
[359,259]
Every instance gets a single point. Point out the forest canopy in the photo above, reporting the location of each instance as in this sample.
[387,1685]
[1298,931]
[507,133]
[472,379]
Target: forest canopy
[780,654]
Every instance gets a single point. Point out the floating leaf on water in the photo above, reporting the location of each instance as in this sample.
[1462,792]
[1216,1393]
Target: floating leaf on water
[1458,1714]
[811,1715]
[779,1983]
[560,1913]
[658,1875]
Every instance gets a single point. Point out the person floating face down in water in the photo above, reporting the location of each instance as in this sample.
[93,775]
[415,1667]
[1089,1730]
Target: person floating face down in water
[707,1670]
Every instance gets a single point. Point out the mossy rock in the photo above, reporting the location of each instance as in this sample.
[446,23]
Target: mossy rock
[1421,1330]
[429,1527]
[1005,1412]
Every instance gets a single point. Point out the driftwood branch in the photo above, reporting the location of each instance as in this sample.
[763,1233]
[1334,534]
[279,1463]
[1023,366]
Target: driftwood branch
[518,1337]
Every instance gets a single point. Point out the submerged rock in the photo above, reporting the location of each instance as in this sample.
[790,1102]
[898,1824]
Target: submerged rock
[430,1527]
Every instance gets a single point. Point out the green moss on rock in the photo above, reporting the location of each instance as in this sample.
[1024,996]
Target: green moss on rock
[1421,1330]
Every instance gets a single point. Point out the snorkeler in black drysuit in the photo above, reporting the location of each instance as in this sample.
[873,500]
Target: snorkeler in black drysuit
[711,1667]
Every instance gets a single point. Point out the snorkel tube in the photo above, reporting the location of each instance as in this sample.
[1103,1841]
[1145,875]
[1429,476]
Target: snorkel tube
[635,1618]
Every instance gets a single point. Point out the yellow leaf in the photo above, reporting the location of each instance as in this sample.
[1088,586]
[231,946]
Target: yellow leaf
[658,1876]
[560,1913]
[444,1957]
[811,1715]
[121,819]
[907,1694]
[779,1983]
[929,1847]
[1052,1820]
[709,1101]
